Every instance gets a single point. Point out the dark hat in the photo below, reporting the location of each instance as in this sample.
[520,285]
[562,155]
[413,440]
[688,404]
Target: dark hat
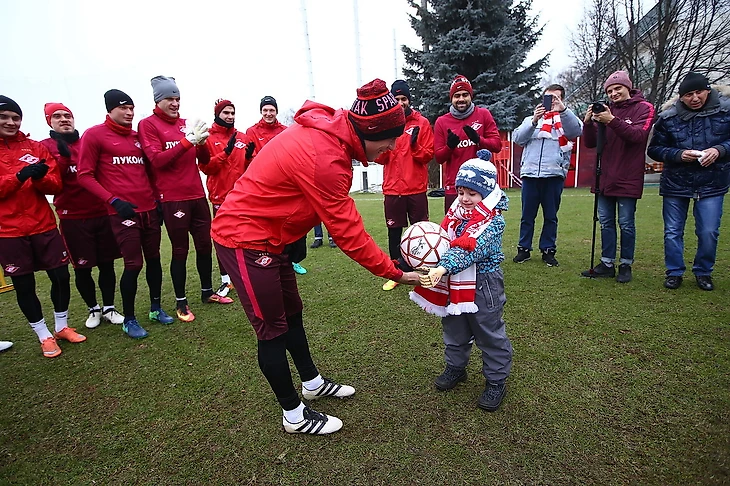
[268,100]
[164,87]
[478,174]
[115,97]
[693,82]
[376,114]
[6,104]
[220,104]
[400,87]
[460,83]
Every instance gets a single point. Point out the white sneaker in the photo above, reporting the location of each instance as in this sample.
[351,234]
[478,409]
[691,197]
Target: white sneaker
[94,319]
[5,345]
[223,289]
[328,389]
[314,423]
[113,316]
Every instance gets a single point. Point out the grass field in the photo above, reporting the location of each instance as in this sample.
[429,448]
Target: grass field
[612,384]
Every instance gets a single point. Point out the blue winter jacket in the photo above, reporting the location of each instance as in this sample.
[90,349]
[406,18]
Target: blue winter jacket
[542,157]
[679,129]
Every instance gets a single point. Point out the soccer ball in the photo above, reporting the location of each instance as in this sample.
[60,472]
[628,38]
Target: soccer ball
[423,244]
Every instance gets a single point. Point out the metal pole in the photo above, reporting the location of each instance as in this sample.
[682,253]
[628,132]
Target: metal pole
[358,67]
[307,49]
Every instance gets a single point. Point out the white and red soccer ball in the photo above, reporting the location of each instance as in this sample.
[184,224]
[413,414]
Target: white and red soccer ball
[423,244]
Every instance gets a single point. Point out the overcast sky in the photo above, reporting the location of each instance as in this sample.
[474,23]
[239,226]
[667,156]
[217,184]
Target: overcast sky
[73,51]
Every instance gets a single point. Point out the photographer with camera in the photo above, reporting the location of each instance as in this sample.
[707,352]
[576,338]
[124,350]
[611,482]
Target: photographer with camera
[547,138]
[626,120]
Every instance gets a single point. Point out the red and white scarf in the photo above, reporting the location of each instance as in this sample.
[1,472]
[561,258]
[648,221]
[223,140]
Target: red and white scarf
[550,121]
[454,294]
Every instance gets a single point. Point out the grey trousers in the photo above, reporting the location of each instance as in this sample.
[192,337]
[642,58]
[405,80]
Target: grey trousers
[486,326]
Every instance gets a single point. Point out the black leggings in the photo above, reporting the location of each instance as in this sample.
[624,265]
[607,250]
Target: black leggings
[27,298]
[275,367]
[87,288]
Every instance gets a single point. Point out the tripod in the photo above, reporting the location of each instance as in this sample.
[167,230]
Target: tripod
[600,142]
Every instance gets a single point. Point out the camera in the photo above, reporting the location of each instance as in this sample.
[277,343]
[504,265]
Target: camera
[598,106]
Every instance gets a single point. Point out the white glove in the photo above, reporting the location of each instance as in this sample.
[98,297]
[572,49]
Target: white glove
[201,132]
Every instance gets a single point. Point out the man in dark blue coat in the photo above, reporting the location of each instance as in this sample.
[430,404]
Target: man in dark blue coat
[692,138]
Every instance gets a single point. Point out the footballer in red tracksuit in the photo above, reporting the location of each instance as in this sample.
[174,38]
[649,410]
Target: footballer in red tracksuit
[460,133]
[169,147]
[303,176]
[83,220]
[227,162]
[405,174]
[112,166]
[29,239]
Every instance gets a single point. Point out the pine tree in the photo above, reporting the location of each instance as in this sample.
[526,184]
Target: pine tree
[485,40]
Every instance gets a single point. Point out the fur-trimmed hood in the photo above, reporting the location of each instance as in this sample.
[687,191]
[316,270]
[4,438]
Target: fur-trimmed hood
[723,90]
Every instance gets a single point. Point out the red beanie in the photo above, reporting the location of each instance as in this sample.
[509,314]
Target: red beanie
[220,104]
[619,77]
[50,108]
[460,83]
[376,114]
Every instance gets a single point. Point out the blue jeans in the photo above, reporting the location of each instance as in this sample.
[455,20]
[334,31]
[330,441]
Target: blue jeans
[538,192]
[607,217]
[707,213]
[318,233]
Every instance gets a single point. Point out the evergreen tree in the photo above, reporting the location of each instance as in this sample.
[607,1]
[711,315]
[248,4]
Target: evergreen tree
[486,41]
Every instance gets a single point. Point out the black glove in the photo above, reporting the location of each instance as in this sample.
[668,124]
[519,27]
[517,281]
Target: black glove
[26,172]
[160,214]
[63,148]
[41,169]
[297,251]
[414,135]
[124,209]
[452,139]
[249,150]
[473,136]
[231,144]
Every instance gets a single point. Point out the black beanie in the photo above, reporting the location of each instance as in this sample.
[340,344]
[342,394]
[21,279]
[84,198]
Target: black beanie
[6,104]
[400,87]
[693,82]
[268,100]
[115,97]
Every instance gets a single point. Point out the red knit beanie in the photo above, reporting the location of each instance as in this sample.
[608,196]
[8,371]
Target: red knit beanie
[50,108]
[220,104]
[619,77]
[376,114]
[460,83]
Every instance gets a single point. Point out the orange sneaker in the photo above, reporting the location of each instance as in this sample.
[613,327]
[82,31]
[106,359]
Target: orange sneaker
[50,348]
[219,299]
[185,315]
[69,334]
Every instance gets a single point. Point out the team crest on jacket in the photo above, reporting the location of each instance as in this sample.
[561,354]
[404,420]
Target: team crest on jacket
[476,125]
[10,268]
[239,144]
[264,260]
[179,214]
[29,159]
[128,222]
[137,144]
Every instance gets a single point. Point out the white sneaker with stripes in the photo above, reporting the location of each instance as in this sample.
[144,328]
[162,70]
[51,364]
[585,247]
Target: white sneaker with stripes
[328,389]
[314,423]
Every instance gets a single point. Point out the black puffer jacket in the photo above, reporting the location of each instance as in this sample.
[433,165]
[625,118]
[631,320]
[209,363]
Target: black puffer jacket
[680,129]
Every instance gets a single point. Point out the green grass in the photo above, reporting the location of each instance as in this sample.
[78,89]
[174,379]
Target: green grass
[611,384]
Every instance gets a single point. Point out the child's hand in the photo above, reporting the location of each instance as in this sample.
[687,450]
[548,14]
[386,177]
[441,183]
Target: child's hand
[433,277]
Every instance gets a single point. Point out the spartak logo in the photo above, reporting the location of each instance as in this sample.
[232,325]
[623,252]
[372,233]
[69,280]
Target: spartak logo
[137,144]
[390,222]
[128,222]
[239,145]
[29,159]
[82,261]
[476,125]
[179,214]
[10,268]
[264,260]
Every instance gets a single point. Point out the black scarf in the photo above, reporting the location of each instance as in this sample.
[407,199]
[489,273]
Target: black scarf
[66,137]
[222,123]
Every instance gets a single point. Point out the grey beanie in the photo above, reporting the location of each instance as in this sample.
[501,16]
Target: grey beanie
[164,87]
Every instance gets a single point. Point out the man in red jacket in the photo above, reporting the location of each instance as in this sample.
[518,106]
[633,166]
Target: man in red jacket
[627,120]
[84,221]
[227,147]
[405,174]
[267,128]
[304,175]
[167,143]
[460,133]
[113,168]
[29,239]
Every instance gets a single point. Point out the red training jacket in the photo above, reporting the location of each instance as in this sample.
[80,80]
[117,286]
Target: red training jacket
[405,169]
[24,209]
[174,170]
[303,177]
[262,133]
[113,165]
[223,170]
[482,123]
[74,201]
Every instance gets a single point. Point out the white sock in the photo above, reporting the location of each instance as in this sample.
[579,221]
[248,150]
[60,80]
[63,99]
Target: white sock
[96,308]
[314,383]
[106,307]
[296,415]
[180,298]
[317,238]
[41,330]
[225,279]
[61,319]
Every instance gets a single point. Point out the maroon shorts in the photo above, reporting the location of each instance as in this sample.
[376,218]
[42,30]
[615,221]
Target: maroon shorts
[399,210]
[183,217]
[89,241]
[24,255]
[136,237]
[448,201]
[267,286]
